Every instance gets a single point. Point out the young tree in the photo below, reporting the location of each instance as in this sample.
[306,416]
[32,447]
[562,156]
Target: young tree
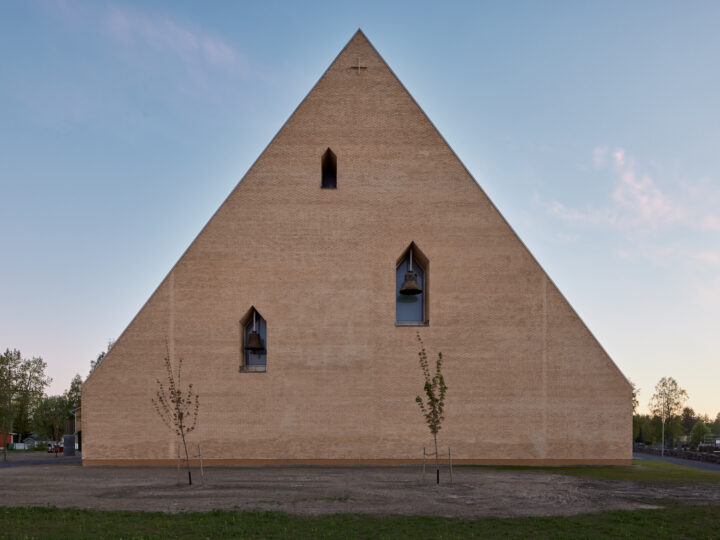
[178,408]
[435,390]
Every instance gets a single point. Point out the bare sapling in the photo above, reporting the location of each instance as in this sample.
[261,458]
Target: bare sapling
[434,404]
[177,407]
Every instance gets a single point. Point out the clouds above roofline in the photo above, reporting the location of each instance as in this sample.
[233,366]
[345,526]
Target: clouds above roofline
[638,202]
[165,35]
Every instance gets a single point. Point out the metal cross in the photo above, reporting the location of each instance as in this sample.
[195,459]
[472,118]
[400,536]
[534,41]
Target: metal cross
[358,67]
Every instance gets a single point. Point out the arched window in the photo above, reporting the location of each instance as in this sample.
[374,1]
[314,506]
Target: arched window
[411,288]
[329,170]
[254,341]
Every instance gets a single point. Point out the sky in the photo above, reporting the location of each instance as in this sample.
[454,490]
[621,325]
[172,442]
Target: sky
[593,126]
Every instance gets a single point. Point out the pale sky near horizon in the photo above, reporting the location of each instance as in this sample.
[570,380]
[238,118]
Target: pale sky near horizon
[593,126]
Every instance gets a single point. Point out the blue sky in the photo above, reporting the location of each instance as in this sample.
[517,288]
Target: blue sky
[593,126]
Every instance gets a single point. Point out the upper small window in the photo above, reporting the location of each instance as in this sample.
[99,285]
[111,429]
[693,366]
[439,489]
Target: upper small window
[411,288]
[329,170]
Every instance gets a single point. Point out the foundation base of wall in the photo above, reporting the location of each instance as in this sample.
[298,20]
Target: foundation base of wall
[348,462]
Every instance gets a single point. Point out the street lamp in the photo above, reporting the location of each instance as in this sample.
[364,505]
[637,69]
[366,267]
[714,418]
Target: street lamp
[662,450]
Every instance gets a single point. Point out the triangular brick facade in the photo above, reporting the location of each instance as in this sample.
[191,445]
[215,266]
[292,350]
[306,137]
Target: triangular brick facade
[528,383]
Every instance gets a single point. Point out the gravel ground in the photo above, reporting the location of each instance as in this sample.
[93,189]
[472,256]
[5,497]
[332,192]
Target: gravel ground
[327,490]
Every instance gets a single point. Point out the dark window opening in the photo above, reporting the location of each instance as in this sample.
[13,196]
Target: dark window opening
[329,170]
[254,341]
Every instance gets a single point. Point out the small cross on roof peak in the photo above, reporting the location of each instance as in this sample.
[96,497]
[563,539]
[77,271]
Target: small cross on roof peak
[357,66]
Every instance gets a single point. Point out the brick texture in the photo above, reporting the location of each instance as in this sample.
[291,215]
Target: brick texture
[528,383]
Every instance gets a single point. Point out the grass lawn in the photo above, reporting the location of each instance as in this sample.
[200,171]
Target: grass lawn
[673,521]
[640,471]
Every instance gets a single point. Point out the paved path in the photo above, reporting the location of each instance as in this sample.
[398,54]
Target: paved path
[678,461]
[32,460]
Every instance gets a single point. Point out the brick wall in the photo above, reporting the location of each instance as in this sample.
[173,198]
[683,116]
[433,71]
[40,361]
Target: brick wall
[527,381]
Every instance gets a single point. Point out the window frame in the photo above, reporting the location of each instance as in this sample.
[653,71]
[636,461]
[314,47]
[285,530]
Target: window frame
[246,322]
[421,260]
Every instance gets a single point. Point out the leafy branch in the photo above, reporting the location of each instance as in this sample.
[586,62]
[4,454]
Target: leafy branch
[435,390]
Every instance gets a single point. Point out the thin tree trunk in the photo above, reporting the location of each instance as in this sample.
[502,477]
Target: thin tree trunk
[5,444]
[187,457]
[437,461]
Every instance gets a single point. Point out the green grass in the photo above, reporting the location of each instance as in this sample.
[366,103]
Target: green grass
[640,471]
[673,521]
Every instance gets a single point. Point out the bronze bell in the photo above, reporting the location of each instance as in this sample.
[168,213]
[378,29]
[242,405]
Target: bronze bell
[410,285]
[253,343]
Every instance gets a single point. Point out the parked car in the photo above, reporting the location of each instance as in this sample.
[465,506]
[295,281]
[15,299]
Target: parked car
[55,448]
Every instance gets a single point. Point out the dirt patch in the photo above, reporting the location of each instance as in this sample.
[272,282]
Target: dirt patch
[327,490]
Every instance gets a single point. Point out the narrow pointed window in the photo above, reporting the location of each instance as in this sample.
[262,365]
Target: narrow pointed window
[254,342]
[411,288]
[329,170]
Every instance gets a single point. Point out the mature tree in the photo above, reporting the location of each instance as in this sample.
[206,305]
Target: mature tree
[10,362]
[50,415]
[669,393]
[435,391]
[698,432]
[73,394]
[22,383]
[716,426]
[176,406]
[30,390]
[100,357]
[688,419]
[635,394]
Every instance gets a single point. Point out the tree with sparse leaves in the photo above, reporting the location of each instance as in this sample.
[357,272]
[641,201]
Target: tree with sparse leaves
[667,404]
[669,395]
[435,390]
[177,407]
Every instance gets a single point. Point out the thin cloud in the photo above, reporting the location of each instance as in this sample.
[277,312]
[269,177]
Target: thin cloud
[599,158]
[710,257]
[191,45]
[637,202]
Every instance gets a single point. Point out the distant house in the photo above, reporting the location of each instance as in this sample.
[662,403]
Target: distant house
[6,438]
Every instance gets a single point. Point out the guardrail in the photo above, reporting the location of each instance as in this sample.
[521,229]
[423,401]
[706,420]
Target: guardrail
[706,457]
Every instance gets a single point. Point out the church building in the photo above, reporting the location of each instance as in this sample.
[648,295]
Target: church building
[295,310]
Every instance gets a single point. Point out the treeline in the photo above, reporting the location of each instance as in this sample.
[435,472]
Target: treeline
[25,407]
[682,424]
